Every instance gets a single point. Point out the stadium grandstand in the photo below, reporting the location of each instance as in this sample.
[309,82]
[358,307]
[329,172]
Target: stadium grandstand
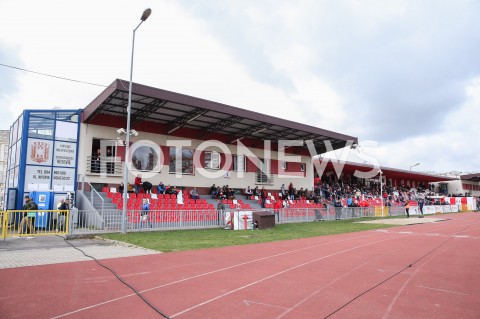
[192,156]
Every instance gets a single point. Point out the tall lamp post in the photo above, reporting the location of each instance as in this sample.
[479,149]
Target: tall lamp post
[144,17]
[414,165]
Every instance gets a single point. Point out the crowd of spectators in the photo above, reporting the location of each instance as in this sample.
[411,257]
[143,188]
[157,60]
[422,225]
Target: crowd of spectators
[345,191]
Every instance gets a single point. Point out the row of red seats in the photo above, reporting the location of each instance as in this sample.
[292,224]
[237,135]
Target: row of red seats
[117,200]
[108,190]
[173,206]
[142,195]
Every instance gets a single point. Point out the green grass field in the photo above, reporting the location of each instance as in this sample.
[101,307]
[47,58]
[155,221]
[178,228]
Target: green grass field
[180,240]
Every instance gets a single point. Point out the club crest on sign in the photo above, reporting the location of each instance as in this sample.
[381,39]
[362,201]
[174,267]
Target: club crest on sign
[39,152]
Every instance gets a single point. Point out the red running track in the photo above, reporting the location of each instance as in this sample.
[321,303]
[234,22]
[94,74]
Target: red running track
[356,275]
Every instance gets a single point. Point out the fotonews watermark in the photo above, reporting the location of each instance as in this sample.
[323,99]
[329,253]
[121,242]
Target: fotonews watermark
[215,159]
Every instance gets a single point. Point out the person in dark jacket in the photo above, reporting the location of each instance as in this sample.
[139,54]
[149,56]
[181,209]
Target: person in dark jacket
[147,187]
[62,216]
[28,219]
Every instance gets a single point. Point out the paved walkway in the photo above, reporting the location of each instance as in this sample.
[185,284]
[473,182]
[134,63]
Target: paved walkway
[21,252]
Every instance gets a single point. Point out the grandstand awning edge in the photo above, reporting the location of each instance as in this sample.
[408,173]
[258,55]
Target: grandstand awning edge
[180,111]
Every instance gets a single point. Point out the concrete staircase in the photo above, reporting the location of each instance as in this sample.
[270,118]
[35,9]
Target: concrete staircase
[107,202]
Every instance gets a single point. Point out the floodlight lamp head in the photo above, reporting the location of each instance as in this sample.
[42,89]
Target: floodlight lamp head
[121,131]
[146,14]
[134,133]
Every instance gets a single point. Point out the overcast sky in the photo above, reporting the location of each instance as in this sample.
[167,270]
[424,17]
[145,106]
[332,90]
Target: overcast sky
[401,75]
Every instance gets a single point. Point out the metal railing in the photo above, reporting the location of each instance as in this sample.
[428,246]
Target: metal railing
[19,223]
[93,194]
[85,221]
[262,178]
[295,215]
[48,222]
[104,166]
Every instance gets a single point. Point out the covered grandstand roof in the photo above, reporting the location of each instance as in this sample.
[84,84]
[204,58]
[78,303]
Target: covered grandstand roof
[163,112]
[471,177]
[394,173]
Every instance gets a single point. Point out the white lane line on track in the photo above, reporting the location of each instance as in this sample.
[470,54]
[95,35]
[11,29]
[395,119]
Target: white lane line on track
[249,302]
[328,284]
[412,275]
[277,274]
[443,290]
[209,273]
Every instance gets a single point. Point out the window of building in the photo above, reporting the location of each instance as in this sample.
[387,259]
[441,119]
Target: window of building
[186,162]
[66,131]
[40,127]
[144,158]
[239,163]
[212,160]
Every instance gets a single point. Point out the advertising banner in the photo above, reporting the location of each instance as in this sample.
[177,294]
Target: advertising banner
[38,177]
[65,154]
[39,152]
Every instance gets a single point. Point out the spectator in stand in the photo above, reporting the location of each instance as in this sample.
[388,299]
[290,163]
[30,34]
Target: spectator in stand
[213,191]
[299,194]
[283,192]
[170,190]
[219,193]
[291,191]
[147,187]
[263,196]
[225,191]
[96,162]
[121,188]
[256,191]
[145,213]
[161,188]
[230,193]
[248,193]
[306,194]
[194,194]
[138,183]
[180,197]
[349,201]
[327,192]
